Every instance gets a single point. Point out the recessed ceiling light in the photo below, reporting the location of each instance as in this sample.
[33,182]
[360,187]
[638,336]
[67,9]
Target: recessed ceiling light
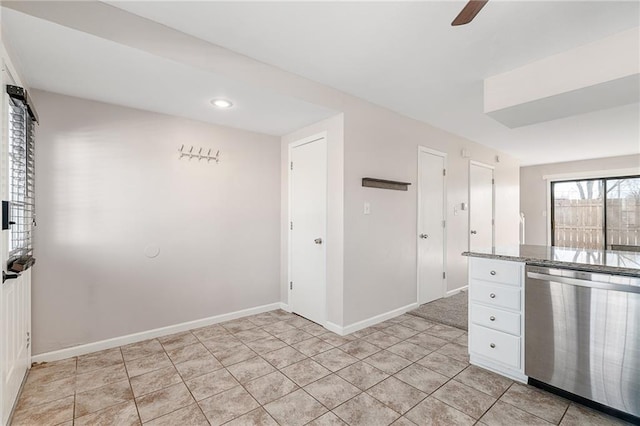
[222,103]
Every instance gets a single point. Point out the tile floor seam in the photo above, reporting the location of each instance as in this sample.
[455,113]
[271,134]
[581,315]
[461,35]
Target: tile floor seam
[523,410]
[497,399]
[135,403]
[195,401]
[565,413]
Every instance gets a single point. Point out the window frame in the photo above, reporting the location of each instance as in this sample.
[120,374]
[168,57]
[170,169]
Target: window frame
[604,180]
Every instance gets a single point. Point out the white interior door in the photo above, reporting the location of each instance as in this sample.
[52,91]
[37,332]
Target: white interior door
[15,294]
[15,357]
[431,229]
[480,206]
[308,216]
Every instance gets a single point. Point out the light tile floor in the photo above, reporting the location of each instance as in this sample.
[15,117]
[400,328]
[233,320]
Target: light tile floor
[278,368]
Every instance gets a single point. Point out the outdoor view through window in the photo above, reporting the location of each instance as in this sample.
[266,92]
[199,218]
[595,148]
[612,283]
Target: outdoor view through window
[596,213]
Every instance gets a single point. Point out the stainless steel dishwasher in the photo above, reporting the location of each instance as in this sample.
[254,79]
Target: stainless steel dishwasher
[582,335]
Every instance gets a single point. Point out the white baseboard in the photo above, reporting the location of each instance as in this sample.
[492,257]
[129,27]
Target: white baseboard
[150,334]
[369,321]
[285,307]
[456,291]
[335,328]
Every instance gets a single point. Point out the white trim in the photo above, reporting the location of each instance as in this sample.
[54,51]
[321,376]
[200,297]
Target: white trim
[493,202]
[498,368]
[369,321]
[150,334]
[594,174]
[419,219]
[299,142]
[335,328]
[456,291]
[548,217]
[285,307]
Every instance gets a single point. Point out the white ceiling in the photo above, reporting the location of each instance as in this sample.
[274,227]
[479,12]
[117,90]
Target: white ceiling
[59,59]
[406,56]
[401,55]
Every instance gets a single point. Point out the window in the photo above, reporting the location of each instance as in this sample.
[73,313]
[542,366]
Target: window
[21,183]
[596,213]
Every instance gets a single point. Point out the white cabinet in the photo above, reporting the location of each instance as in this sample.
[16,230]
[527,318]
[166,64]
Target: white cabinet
[496,304]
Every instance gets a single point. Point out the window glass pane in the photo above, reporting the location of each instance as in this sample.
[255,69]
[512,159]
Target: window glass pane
[578,214]
[623,214]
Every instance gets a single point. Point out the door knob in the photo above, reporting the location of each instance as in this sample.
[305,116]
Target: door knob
[474,232]
[318,241]
[424,236]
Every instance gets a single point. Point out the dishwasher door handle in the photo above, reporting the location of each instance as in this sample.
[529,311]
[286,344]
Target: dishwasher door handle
[584,283]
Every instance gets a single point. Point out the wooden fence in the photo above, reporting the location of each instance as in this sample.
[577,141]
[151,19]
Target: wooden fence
[579,223]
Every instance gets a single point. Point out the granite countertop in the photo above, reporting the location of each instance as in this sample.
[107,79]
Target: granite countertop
[605,261]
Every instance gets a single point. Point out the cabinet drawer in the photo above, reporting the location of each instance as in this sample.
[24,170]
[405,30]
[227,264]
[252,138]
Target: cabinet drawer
[495,345]
[498,271]
[496,319]
[495,295]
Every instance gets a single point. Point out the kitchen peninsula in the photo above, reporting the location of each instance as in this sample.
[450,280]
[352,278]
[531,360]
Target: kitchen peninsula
[567,320]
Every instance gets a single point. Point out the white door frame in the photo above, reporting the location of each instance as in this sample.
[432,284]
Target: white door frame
[304,141]
[419,219]
[493,202]
[9,75]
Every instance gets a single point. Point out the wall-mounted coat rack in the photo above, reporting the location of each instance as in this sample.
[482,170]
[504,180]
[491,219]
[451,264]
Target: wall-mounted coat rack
[385,184]
[199,155]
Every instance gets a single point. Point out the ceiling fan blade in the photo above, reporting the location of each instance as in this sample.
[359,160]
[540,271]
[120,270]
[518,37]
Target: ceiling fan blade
[469,12]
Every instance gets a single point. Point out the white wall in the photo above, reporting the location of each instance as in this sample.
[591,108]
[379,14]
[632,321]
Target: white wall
[109,182]
[380,248]
[379,258]
[379,253]
[533,188]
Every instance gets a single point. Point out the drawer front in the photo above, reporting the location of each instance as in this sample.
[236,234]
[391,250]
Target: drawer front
[497,271]
[496,295]
[496,319]
[495,345]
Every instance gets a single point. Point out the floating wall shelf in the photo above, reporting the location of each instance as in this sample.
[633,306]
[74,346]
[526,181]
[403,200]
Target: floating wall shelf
[385,184]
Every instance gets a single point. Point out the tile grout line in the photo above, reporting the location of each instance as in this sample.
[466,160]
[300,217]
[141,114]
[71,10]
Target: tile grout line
[126,370]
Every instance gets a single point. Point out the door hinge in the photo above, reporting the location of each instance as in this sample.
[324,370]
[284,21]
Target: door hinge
[444,223]
[290,285]
[493,221]
[291,165]
[493,181]
[444,275]
[444,172]
[291,226]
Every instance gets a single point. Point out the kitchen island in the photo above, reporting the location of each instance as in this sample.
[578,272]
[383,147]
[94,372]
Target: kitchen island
[563,319]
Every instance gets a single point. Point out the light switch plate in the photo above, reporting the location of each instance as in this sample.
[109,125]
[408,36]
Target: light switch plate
[367,207]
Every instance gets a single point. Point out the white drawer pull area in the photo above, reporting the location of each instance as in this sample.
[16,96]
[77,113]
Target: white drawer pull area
[495,295]
[495,345]
[497,319]
[497,271]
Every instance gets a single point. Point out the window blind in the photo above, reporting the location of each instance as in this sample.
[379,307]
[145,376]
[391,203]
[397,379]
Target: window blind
[21,179]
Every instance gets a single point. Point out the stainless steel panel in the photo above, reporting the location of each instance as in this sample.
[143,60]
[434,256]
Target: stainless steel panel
[584,338]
